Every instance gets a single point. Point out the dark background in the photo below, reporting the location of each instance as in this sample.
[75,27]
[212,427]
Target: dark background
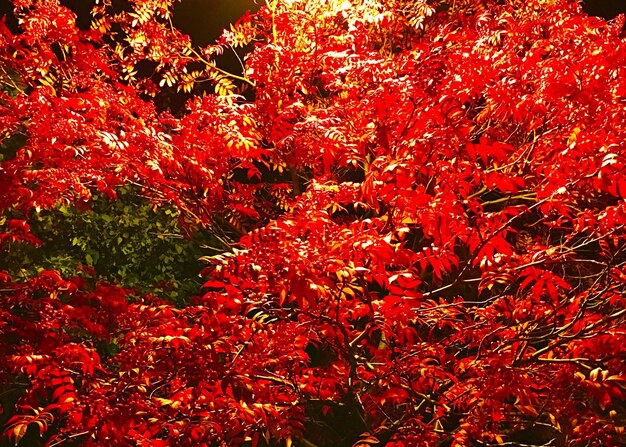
[604,8]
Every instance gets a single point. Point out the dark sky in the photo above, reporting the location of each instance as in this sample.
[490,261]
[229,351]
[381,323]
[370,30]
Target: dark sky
[203,20]
[604,8]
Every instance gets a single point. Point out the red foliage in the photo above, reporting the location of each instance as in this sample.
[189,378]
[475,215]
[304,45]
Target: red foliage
[431,197]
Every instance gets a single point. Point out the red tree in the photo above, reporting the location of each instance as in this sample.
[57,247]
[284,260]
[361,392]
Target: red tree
[430,201]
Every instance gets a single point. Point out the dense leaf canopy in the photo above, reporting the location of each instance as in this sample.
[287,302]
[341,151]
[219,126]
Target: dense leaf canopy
[410,216]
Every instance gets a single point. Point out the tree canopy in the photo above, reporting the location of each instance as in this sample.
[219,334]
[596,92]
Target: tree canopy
[408,217]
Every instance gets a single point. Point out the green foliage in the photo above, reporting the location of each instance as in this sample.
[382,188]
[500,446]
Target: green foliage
[125,241]
[10,145]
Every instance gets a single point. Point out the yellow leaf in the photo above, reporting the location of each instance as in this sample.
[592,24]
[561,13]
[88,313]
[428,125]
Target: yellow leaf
[18,432]
[162,402]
